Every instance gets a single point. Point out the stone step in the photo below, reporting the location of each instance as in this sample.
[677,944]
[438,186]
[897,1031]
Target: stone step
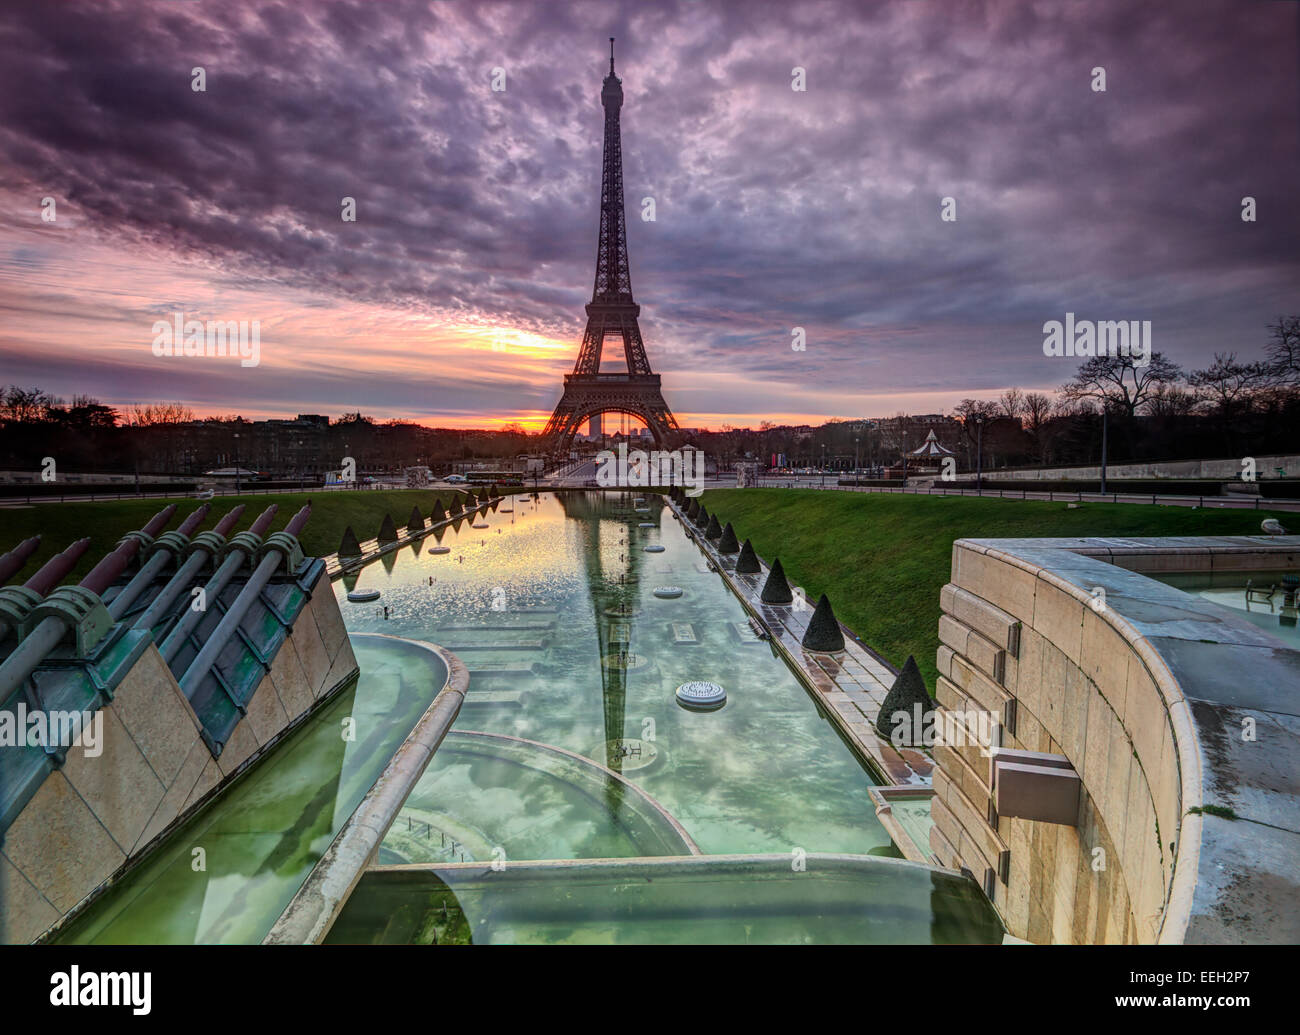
[521,627]
[497,698]
[501,668]
[515,645]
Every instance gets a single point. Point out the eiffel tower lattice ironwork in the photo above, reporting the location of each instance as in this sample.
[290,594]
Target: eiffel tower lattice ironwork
[588,392]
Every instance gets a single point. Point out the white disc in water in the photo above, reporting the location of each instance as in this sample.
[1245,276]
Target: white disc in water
[668,592]
[480,524]
[654,549]
[646,524]
[441,549]
[363,596]
[700,694]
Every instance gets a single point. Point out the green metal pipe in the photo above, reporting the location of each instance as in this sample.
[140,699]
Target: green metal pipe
[229,567]
[215,643]
[154,566]
[12,562]
[162,603]
[46,636]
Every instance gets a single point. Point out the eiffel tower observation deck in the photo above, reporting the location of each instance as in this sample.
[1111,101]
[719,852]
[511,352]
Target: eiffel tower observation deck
[611,311]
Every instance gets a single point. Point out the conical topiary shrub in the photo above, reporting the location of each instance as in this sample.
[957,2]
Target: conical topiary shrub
[415,522]
[823,632]
[714,530]
[349,547]
[387,532]
[692,509]
[727,543]
[702,518]
[899,707]
[776,590]
[437,513]
[747,562]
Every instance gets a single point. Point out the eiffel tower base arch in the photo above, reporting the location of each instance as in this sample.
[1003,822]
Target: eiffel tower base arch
[589,395]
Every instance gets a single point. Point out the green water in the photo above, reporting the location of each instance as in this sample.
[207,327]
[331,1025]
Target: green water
[913,815]
[261,838]
[1228,589]
[544,804]
[845,901]
[539,605]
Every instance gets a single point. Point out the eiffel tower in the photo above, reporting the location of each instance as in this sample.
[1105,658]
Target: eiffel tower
[588,392]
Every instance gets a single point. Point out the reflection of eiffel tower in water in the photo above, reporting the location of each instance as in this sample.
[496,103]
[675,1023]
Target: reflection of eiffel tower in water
[614,596]
[587,392]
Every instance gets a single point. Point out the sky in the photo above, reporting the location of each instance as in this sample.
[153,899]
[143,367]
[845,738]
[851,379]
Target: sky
[456,296]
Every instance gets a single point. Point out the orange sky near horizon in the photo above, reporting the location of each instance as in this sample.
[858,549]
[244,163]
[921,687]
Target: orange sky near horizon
[80,318]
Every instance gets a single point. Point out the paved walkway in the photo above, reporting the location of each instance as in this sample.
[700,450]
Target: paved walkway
[850,685]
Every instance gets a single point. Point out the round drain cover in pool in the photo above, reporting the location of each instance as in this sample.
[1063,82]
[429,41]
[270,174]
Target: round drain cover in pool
[668,592]
[699,694]
[441,549]
[362,596]
[480,524]
[654,549]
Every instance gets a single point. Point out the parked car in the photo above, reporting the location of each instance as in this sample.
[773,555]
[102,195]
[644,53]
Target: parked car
[455,479]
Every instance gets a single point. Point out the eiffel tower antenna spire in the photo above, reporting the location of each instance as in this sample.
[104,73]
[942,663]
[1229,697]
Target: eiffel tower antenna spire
[612,310]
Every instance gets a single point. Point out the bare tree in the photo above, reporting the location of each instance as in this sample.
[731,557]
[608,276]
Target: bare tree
[971,413]
[1229,385]
[25,405]
[1118,382]
[1038,412]
[1169,400]
[144,415]
[1284,349]
[1012,402]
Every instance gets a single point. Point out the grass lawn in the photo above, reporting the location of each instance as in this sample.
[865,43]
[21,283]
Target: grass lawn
[882,558]
[59,524]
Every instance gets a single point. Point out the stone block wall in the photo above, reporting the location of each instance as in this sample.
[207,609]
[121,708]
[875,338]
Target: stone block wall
[1031,648]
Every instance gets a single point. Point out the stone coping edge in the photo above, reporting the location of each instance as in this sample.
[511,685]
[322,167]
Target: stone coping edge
[313,910]
[540,868]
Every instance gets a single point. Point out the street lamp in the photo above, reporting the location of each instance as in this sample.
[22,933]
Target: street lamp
[823,465]
[979,456]
[855,457]
[238,484]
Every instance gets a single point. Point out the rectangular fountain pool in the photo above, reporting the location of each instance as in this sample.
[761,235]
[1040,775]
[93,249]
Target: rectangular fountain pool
[552,608]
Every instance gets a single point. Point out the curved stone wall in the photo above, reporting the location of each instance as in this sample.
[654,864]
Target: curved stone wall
[1072,649]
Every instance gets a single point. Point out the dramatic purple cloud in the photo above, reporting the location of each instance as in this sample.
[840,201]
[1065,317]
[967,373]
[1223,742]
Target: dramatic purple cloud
[774,208]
